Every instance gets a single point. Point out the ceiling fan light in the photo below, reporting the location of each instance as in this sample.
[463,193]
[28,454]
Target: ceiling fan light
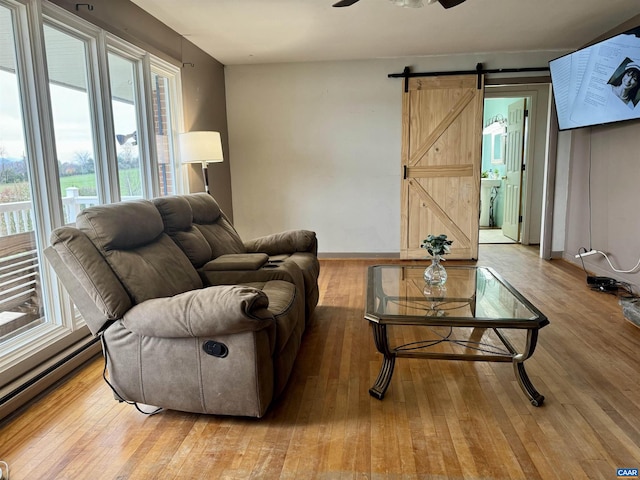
[408,3]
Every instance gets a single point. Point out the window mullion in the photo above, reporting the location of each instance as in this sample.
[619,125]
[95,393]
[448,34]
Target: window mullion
[110,159]
[177,118]
[148,152]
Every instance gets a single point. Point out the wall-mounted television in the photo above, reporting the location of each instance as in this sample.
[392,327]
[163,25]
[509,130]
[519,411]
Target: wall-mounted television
[598,84]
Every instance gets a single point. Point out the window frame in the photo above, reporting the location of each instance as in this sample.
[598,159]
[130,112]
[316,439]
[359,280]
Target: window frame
[60,328]
[63,325]
[173,75]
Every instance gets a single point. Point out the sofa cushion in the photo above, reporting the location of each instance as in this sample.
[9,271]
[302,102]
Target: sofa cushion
[178,224]
[214,225]
[130,236]
[93,274]
[121,226]
[175,212]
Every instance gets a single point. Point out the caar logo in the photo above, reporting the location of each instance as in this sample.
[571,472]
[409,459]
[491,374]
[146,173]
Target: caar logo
[627,472]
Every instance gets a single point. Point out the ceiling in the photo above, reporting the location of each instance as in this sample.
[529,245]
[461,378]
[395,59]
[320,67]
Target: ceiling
[239,32]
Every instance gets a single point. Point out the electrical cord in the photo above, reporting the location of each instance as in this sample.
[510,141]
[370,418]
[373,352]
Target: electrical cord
[115,392]
[583,252]
[608,284]
[633,270]
[604,284]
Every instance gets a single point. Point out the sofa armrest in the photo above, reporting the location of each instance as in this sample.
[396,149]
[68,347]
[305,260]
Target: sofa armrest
[290,241]
[219,310]
[236,261]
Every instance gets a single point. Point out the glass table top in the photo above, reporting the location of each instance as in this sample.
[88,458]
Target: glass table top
[472,296]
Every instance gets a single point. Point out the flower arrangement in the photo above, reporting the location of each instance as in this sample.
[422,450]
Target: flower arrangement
[437,245]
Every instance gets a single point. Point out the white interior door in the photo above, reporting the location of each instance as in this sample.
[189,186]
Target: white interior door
[513,171]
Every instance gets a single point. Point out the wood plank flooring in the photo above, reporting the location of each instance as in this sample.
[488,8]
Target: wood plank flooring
[439,419]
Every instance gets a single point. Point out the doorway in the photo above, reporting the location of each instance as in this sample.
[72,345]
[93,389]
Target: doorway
[527,212]
[501,175]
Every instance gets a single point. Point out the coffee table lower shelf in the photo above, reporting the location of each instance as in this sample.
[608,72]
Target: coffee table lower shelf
[381,340]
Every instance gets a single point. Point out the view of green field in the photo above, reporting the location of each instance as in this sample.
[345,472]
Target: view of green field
[130,185]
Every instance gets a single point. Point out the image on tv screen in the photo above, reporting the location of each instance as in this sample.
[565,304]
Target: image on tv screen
[598,84]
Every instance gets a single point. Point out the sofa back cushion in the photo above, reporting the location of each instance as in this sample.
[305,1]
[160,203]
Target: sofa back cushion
[214,225]
[178,224]
[130,236]
[92,284]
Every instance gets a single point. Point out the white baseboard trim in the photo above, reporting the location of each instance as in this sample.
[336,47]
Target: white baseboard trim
[358,255]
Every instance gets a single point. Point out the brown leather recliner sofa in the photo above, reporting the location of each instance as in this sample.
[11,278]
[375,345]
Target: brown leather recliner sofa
[202,230]
[191,317]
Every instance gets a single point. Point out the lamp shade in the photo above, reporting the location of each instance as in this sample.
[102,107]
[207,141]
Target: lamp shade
[200,147]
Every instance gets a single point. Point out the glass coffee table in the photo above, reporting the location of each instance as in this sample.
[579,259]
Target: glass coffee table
[475,316]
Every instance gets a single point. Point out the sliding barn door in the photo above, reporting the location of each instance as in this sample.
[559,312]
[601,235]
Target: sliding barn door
[441,160]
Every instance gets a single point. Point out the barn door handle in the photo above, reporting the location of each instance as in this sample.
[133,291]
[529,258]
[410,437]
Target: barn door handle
[404,172]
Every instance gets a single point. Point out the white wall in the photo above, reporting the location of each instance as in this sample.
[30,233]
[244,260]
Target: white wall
[561,192]
[604,195]
[317,146]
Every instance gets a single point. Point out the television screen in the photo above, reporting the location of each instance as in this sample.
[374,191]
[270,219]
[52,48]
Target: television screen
[598,84]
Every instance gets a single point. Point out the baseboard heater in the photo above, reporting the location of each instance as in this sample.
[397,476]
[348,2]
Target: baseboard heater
[50,372]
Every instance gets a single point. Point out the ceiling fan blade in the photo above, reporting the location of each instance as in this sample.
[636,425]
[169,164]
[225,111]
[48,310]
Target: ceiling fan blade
[345,3]
[450,3]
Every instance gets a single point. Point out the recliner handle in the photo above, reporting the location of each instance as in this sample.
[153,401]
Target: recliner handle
[215,349]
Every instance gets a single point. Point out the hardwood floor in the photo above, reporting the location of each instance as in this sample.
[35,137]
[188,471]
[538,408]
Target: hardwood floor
[439,419]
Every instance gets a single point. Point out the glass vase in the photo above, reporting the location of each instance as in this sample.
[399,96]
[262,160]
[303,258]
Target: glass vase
[435,274]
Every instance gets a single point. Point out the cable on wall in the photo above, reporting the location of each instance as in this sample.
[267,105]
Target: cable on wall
[594,252]
[583,252]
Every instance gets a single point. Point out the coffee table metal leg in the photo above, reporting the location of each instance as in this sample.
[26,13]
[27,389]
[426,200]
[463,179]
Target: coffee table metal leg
[518,365]
[527,387]
[521,374]
[388,361]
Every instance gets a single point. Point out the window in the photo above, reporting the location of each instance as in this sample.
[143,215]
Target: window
[20,290]
[85,118]
[71,109]
[124,83]
[163,88]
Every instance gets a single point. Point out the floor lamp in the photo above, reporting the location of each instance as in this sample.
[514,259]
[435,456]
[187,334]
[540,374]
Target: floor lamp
[203,148]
